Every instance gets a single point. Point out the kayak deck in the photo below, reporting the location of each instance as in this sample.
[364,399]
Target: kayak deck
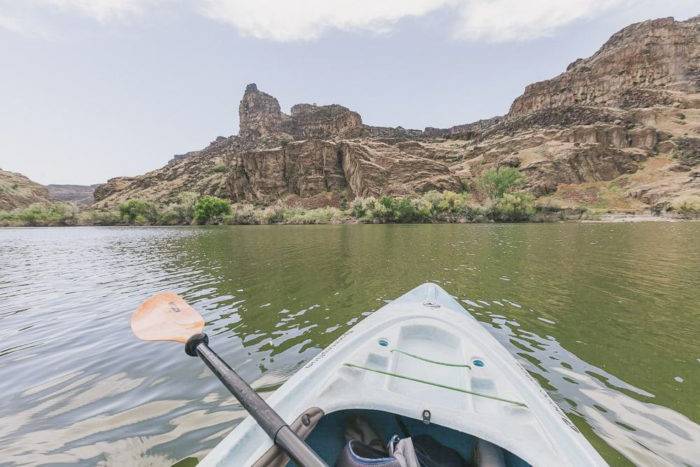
[423,352]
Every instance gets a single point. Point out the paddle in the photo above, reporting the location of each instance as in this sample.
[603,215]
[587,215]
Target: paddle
[167,317]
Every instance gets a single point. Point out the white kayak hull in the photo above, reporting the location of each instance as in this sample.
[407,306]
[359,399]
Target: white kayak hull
[424,352]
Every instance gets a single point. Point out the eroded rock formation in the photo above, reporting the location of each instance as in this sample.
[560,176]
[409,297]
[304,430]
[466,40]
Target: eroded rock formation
[18,191]
[624,123]
[645,64]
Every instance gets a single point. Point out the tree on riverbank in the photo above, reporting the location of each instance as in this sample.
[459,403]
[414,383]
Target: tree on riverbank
[210,209]
[497,182]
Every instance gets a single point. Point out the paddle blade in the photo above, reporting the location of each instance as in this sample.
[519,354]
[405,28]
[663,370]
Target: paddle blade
[166,317]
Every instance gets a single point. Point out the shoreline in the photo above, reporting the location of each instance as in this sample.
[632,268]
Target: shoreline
[429,208]
[614,218]
[608,218]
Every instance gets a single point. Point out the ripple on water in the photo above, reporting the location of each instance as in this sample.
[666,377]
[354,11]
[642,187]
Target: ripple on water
[620,413]
[604,317]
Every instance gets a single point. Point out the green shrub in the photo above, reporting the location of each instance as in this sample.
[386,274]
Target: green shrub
[450,206]
[271,215]
[513,207]
[433,199]
[399,209]
[424,209]
[181,212]
[140,212]
[404,210]
[242,214]
[100,217]
[210,209]
[47,215]
[325,215]
[33,215]
[370,209]
[363,208]
[9,219]
[170,217]
[452,202]
[219,168]
[497,182]
[431,206]
[688,208]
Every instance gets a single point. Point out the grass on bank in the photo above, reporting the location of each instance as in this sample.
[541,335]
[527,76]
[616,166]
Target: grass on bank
[496,198]
[503,204]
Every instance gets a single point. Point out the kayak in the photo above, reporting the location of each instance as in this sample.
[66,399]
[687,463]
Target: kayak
[420,365]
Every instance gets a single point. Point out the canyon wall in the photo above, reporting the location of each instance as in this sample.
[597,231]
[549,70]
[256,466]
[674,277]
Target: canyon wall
[620,129]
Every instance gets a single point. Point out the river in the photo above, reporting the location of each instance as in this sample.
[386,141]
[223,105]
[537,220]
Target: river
[605,316]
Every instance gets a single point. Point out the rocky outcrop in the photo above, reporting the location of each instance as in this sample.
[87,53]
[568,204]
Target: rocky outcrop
[374,168]
[259,115]
[17,191]
[114,186]
[303,168]
[575,165]
[357,168]
[78,194]
[323,122]
[645,64]
[262,120]
[200,173]
[625,120]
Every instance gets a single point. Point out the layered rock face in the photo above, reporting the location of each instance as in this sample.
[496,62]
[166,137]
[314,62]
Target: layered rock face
[622,125]
[262,121]
[309,168]
[326,121]
[303,168]
[645,64]
[17,191]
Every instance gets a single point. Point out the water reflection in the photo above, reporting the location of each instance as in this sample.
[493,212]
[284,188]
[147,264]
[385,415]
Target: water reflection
[603,316]
[619,413]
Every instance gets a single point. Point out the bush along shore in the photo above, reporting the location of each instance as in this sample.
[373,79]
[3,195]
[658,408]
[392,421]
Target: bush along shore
[498,199]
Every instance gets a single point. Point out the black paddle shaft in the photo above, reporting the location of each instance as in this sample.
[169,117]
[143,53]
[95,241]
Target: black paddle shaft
[276,428]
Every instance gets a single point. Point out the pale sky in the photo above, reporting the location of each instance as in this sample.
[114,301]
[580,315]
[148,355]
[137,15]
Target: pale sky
[94,89]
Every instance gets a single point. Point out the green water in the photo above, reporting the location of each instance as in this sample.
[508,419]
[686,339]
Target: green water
[605,316]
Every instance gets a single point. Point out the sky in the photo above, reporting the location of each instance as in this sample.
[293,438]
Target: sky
[94,89]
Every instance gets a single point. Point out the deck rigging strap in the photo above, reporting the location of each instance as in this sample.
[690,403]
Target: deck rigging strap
[418,357]
[451,388]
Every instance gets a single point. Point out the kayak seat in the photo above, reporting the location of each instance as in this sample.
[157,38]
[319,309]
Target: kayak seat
[302,426]
[329,439]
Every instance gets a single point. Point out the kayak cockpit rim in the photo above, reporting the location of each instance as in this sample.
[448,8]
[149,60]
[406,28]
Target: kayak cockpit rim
[324,432]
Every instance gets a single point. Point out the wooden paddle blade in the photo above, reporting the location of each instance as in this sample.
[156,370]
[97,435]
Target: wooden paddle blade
[166,317]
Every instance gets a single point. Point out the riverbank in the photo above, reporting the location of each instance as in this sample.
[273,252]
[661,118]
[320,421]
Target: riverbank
[496,197]
[436,208]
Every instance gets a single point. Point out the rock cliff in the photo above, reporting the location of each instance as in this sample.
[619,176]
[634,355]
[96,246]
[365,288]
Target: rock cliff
[651,63]
[17,191]
[618,130]
[78,194]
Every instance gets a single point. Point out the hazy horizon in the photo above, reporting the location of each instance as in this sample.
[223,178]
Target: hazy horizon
[117,87]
